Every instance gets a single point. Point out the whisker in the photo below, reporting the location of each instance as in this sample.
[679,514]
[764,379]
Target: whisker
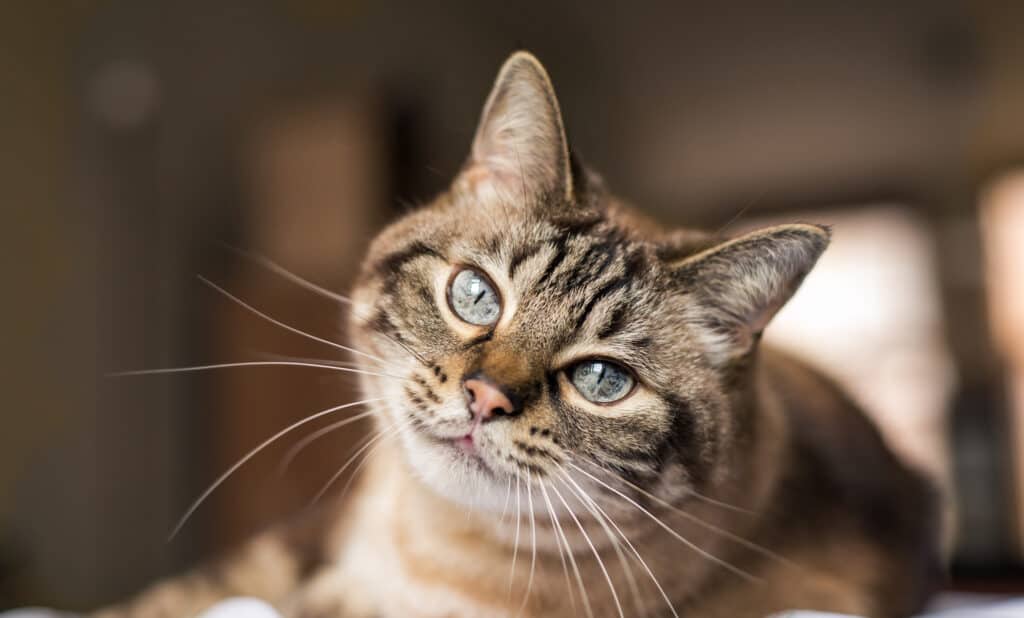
[515,546]
[374,440]
[508,497]
[572,559]
[397,426]
[474,505]
[733,569]
[561,551]
[223,477]
[309,285]
[734,218]
[764,551]
[395,340]
[287,327]
[598,515]
[533,540]
[299,446]
[597,555]
[277,269]
[337,363]
[312,359]
[718,503]
[193,368]
[629,544]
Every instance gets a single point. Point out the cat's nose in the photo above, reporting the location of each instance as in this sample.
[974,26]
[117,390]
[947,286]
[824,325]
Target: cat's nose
[486,400]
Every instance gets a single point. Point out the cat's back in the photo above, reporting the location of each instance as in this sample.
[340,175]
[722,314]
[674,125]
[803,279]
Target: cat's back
[848,495]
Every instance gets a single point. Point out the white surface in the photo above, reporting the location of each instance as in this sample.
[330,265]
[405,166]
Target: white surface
[241,608]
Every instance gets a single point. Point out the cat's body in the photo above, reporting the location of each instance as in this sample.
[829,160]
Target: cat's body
[577,420]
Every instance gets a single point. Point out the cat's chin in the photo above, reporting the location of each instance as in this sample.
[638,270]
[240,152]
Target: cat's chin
[456,470]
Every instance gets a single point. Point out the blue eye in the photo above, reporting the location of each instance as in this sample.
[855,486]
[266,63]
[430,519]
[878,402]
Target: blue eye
[473,299]
[601,381]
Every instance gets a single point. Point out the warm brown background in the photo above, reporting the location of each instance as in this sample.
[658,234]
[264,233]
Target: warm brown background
[136,135]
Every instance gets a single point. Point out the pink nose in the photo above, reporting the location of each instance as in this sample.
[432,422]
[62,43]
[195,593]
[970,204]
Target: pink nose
[486,400]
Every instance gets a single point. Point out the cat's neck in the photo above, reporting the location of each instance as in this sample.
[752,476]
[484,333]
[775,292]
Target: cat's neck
[430,529]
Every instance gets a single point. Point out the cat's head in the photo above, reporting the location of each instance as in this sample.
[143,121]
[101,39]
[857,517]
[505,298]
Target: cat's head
[525,326]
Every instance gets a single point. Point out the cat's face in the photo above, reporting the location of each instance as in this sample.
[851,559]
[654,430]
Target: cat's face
[565,336]
[524,328]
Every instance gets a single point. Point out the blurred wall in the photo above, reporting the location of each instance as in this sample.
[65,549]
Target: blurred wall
[50,274]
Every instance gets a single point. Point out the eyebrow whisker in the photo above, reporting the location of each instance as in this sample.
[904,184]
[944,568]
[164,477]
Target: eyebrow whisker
[195,368]
[287,327]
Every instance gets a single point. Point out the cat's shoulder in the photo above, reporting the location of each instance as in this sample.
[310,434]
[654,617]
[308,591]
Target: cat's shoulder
[841,475]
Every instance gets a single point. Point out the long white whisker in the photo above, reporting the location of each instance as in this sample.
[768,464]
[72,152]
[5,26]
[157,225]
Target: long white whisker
[718,503]
[597,555]
[764,551]
[287,327]
[366,458]
[572,559]
[193,368]
[312,359]
[301,445]
[636,553]
[309,285]
[223,477]
[515,546]
[384,432]
[355,471]
[599,517]
[287,274]
[533,540]
[561,550]
[667,528]
[508,497]
[378,370]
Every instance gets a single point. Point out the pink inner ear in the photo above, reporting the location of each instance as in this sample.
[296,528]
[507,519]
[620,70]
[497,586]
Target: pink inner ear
[759,321]
[485,182]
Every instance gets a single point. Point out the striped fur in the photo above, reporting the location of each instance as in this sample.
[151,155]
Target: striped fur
[744,482]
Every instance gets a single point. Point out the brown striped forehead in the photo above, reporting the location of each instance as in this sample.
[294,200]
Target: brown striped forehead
[577,277]
[580,282]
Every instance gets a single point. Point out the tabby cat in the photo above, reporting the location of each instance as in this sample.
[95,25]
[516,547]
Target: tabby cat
[576,418]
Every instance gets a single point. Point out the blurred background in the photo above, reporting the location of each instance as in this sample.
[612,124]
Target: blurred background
[138,137]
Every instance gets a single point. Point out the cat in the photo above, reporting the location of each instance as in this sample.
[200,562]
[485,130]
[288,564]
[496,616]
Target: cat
[575,417]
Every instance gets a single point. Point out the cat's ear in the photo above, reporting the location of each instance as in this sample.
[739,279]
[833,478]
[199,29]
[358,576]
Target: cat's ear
[520,144]
[739,285]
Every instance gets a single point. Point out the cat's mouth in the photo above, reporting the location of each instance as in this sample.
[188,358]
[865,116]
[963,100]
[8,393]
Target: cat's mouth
[467,448]
[470,449]
[470,441]
[467,444]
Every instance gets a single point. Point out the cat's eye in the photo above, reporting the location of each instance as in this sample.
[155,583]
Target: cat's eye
[472,297]
[601,381]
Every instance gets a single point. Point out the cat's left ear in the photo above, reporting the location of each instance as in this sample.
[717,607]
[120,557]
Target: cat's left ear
[738,286]
[520,145]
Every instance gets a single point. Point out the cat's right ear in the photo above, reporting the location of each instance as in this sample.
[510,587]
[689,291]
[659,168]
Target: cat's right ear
[738,286]
[520,149]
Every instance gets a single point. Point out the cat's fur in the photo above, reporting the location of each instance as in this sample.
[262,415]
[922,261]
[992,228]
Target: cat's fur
[769,487]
